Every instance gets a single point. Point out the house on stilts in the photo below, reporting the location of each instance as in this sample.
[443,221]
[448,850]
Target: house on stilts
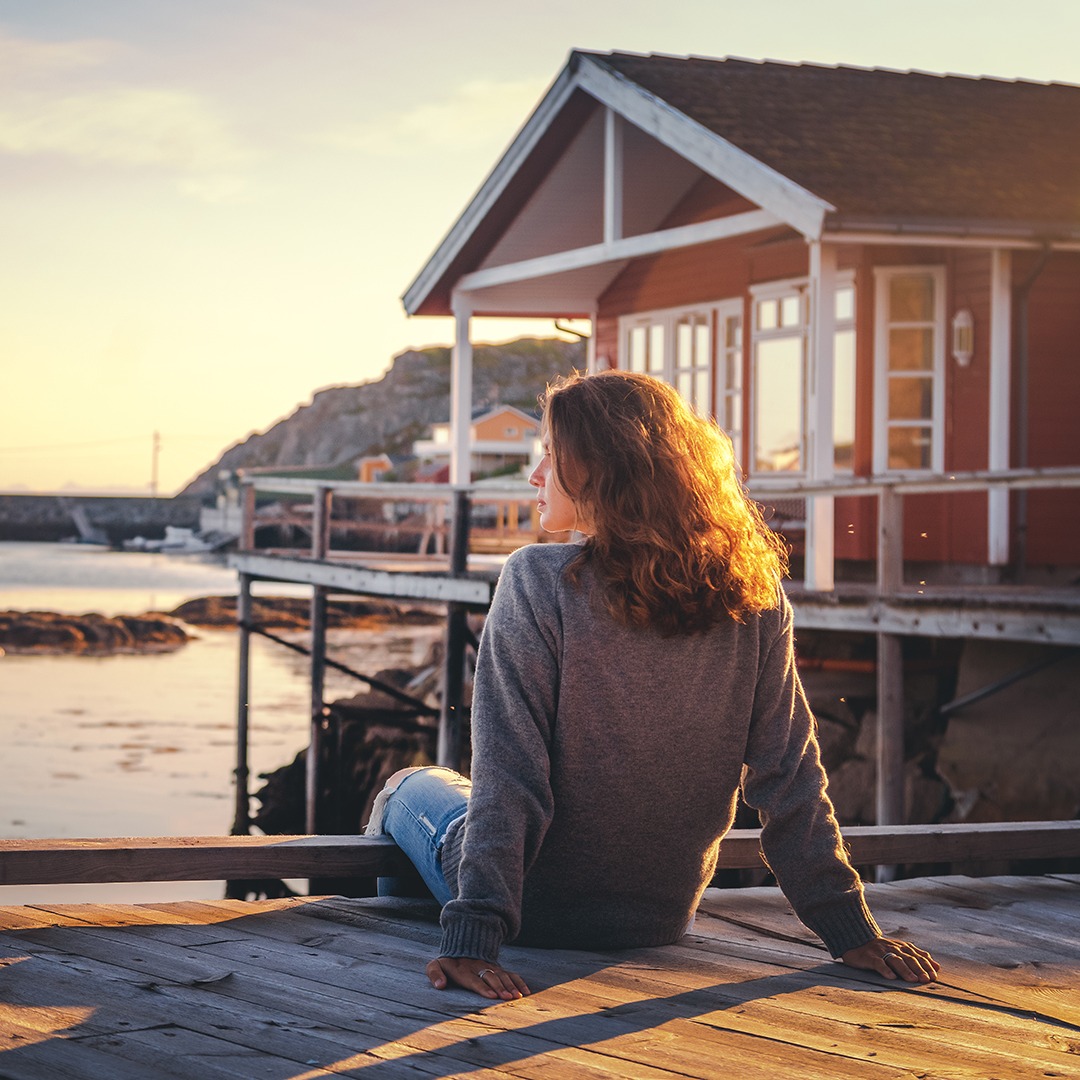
[870,277]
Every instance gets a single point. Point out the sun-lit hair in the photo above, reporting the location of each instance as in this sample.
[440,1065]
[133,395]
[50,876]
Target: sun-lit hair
[677,545]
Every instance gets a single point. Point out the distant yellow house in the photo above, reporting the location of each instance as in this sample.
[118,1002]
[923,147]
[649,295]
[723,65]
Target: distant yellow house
[499,438]
[371,468]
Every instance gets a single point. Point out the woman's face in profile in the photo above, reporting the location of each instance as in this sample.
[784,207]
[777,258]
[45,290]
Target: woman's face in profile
[558,512]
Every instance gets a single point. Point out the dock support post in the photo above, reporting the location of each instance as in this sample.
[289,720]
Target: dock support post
[320,546]
[318,708]
[242,816]
[890,737]
[448,753]
[890,672]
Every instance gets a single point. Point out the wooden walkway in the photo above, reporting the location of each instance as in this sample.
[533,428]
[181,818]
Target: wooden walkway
[315,987]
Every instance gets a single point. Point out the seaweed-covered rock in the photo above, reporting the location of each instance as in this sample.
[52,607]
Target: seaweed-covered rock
[49,632]
[294,612]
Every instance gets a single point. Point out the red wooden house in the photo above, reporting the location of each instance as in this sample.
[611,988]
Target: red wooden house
[862,274]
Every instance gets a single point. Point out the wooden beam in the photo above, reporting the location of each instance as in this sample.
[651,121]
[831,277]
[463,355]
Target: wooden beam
[630,247]
[197,858]
[213,858]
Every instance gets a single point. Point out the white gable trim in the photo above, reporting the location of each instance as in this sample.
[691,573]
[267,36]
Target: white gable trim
[712,153]
[632,247]
[786,200]
[489,191]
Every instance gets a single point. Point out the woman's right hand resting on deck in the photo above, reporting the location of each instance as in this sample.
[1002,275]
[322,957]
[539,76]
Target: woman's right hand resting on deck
[894,959]
[483,978]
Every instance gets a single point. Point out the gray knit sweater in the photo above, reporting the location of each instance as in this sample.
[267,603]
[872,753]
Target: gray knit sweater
[606,764]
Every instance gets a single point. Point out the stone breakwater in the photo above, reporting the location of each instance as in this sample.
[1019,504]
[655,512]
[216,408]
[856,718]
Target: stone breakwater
[114,517]
[49,633]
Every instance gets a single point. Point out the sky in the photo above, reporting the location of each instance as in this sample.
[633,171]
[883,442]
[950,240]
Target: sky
[209,209]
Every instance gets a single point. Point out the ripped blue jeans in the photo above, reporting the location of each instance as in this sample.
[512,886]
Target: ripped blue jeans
[425,804]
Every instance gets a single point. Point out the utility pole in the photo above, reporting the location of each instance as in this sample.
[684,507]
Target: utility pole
[154,465]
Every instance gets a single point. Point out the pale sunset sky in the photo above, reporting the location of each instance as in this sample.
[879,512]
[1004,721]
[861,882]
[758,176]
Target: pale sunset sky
[210,208]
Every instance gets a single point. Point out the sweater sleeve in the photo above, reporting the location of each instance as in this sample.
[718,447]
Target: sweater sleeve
[785,782]
[515,696]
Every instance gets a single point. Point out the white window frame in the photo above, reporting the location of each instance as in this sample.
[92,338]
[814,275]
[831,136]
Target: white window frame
[883,275]
[776,290]
[665,321]
[723,394]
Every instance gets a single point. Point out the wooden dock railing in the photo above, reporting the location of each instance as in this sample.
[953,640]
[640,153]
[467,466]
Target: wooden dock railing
[211,858]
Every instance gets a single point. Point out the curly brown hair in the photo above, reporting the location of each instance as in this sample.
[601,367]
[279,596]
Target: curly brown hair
[677,544]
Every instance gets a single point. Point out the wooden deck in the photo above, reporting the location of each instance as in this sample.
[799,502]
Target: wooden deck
[315,987]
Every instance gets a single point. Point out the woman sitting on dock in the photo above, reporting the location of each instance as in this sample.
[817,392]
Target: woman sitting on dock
[628,686]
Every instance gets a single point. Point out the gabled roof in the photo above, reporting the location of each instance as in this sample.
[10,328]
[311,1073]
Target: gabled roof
[889,146]
[817,148]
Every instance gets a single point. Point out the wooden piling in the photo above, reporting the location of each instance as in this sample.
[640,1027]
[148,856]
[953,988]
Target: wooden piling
[451,721]
[242,815]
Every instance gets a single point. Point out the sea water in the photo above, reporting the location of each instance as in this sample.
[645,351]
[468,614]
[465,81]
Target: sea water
[145,744]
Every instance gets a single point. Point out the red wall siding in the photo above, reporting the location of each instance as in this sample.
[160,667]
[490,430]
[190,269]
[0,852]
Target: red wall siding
[1054,406]
[938,528]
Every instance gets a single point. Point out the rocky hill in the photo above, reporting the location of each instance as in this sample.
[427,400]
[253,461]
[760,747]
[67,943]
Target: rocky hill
[387,415]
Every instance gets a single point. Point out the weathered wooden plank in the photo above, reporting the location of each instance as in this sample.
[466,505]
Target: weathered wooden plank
[195,858]
[424,1042]
[990,1059]
[213,858]
[408,986]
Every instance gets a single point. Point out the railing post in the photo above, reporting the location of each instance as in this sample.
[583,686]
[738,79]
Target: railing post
[320,546]
[451,726]
[890,546]
[247,518]
[242,816]
[321,506]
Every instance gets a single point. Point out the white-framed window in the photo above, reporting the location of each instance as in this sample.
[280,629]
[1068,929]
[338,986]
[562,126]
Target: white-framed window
[728,400]
[780,331]
[909,366]
[698,350]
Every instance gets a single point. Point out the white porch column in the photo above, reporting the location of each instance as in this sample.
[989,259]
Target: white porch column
[461,393]
[613,176]
[1000,419]
[590,347]
[821,347]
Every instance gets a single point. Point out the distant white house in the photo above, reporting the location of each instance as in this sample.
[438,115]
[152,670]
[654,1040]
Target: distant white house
[499,437]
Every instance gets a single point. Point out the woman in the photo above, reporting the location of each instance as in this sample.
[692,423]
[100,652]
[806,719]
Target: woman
[628,686]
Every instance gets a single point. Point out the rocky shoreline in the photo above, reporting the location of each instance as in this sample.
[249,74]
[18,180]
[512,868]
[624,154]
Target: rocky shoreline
[51,633]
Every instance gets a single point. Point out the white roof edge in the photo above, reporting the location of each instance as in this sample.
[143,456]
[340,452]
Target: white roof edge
[493,186]
[721,159]
[712,153]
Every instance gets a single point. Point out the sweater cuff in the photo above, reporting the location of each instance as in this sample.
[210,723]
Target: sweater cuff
[472,935]
[843,925]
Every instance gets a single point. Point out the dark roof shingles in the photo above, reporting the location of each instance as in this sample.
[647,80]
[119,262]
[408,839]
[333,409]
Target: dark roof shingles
[885,145]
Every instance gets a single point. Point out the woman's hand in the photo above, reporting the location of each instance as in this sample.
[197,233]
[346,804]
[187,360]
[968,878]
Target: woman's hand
[483,978]
[894,959]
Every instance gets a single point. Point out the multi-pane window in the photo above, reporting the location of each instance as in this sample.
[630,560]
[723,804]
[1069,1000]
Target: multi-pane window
[844,380]
[910,351]
[780,339]
[779,379]
[692,367]
[698,351]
